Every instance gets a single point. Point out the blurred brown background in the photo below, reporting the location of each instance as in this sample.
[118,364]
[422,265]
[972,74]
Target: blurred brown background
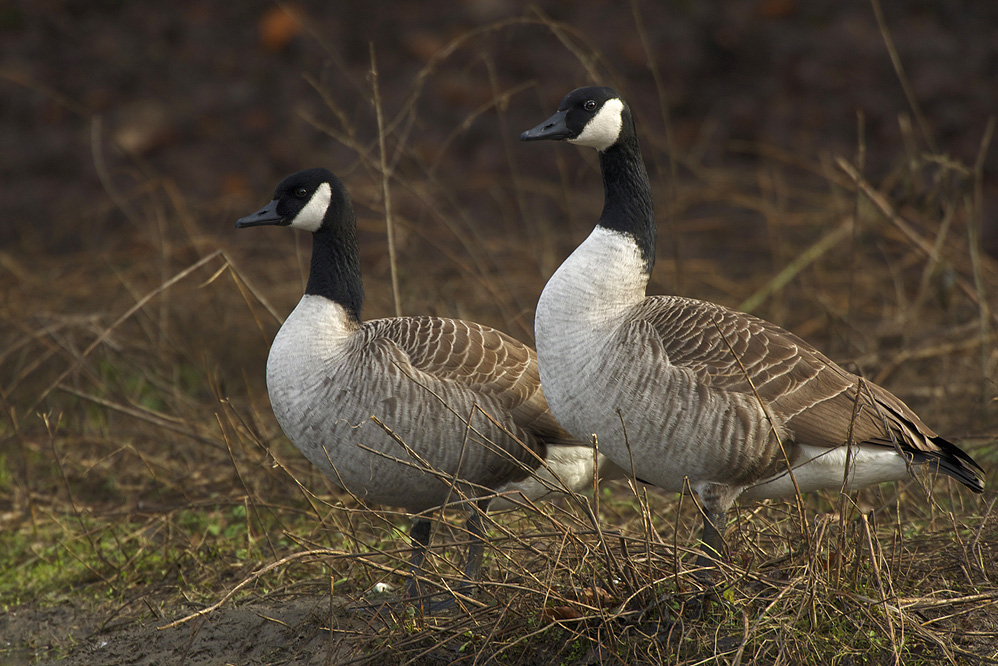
[211,94]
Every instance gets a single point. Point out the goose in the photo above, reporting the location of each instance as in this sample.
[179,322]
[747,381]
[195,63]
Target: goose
[463,413]
[680,391]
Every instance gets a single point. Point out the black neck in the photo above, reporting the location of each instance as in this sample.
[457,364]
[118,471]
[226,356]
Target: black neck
[627,205]
[335,269]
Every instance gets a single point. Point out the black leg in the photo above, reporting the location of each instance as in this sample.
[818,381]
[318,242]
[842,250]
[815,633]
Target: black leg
[476,550]
[420,534]
[715,500]
[714,548]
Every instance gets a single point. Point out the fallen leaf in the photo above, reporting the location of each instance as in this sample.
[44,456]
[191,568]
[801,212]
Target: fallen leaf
[278,26]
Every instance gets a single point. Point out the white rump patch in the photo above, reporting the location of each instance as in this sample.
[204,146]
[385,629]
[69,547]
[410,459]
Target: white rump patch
[603,130]
[310,217]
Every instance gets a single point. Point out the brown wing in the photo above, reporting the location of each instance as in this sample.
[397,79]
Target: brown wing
[815,398]
[482,359]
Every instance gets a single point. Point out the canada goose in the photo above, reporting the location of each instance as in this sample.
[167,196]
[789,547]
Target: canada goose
[461,399]
[679,389]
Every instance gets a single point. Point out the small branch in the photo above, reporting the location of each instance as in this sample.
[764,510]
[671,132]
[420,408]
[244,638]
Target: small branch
[909,94]
[803,260]
[123,318]
[386,191]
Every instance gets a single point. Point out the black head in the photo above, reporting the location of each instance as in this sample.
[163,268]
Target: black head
[591,117]
[305,200]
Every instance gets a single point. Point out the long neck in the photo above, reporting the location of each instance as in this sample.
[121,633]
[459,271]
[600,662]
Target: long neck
[335,269]
[627,205]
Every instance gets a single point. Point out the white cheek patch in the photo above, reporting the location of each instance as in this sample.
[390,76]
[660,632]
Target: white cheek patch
[310,217]
[603,130]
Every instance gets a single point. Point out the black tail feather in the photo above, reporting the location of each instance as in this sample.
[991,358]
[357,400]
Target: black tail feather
[952,460]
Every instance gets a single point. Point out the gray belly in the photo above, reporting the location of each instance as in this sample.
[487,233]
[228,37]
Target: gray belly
[413,461]
[661,426]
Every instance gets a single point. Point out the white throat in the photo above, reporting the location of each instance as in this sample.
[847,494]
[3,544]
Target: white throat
[310,217]
[603,130]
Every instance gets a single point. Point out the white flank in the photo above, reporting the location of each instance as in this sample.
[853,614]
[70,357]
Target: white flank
[603,130]
[310,217]
[566,469]
[824,468]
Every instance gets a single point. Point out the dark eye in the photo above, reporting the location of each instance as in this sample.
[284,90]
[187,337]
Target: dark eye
[301,192]
[590,105]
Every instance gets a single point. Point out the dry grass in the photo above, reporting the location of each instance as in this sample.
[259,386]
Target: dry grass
[143,477]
